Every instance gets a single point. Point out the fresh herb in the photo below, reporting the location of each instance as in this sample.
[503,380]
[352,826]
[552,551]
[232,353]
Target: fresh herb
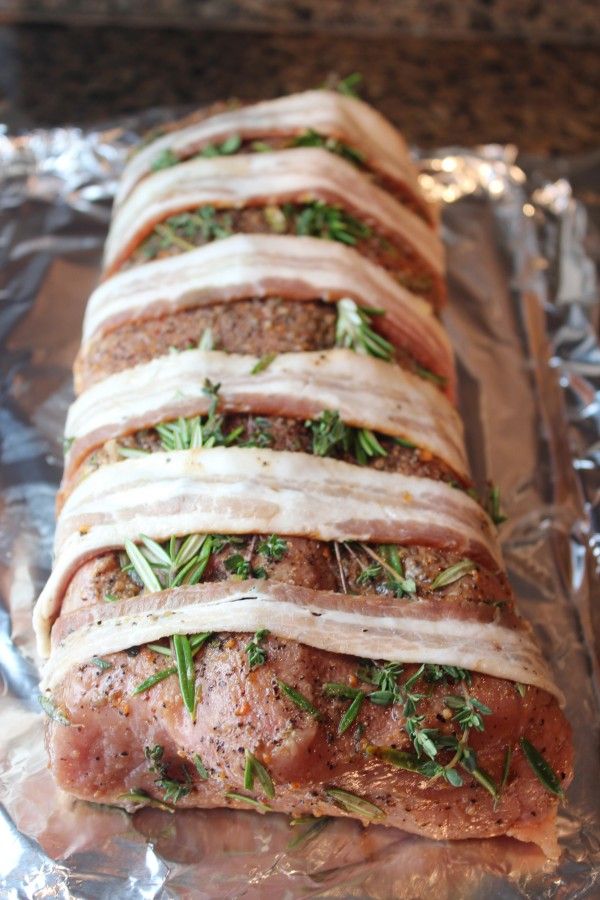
[165,159]
[238,566]
[186,672]
[263,363]
[435,674]
[402,442]
[521,689]
[206,341]
[259,435]
[353,804]
[260,147]
[369,574]
[311,138]
[330,434]
[256,655]
[173,790]
[315,827]
[428,375]
[492,505]
[505,769]
[468,711]
[137,795]
[348,86]
[200,767]
[52,711]
[541,768]
[226,148]
[175,562]
[275,218]
[299,699]
[101,663]
[199,431]
[323,220]
[344,691]
[67,444]
[452,574]
[131,452]
[351,713]
[353,330]
[396,582]
[273,547]
[154,679]
[260,807]
[255,769]
[111,598]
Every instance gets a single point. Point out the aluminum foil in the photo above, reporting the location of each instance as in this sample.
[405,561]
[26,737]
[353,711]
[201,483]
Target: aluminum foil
[522,310]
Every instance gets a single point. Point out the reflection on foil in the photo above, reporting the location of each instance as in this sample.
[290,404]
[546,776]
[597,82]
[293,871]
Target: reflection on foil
[521,316]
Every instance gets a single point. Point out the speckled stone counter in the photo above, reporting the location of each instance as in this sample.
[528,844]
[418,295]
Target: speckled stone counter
[542,97]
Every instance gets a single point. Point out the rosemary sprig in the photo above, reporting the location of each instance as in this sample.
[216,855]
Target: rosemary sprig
[541,768]
[52,711]
[154,679]
[263,363]
[255,769]
[351,713]
[428,375]
[353,330]
[207,341]
[257,656]
[389,558]
[299,699]
[260,807]
[315,827]
[175,562]
[201,768]
[452,574]
[137,795]
[353,804]
[101,663]
[186,672]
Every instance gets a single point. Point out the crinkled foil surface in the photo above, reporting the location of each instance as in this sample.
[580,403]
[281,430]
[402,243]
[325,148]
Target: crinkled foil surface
[522,317]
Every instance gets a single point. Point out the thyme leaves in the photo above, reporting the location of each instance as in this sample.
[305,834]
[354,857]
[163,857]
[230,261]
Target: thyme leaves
[257,655]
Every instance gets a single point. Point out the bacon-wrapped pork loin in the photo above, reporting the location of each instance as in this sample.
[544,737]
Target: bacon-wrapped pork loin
[275,586]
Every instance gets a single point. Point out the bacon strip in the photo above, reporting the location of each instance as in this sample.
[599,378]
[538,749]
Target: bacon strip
[237,490]
[295,268]
[234,182]
[368,627]
[325,112]
[367,393]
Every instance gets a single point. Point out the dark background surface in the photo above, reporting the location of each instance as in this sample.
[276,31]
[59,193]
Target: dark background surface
[541,96]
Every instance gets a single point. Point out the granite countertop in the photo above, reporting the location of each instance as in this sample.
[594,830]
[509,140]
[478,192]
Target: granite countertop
[541,97]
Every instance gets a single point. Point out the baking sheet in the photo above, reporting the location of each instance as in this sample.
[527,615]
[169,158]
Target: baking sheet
[522,309]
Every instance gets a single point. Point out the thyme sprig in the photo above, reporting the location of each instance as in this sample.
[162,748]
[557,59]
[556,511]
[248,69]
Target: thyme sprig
[165,159]
[273,547]
[184,230]
[353,330]
[349,85]
[226,148]
[312,138]
[468,711]
[173,790]
[324,220]
[257,655]
[330,435]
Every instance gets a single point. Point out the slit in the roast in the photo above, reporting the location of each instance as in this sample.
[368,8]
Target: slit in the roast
[188,230]
[267,143]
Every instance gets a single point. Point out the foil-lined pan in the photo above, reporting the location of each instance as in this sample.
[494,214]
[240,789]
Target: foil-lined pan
[522,309]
